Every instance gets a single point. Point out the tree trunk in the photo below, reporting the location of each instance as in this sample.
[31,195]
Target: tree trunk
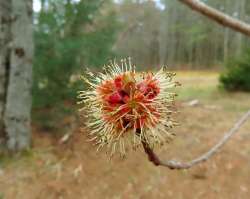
[18,101]
[240,8]
[225,44]
[226,34]
[5,7]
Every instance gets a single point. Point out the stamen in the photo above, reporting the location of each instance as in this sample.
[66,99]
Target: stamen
[119,101]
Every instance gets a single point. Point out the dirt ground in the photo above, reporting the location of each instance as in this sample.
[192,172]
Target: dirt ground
[73,170]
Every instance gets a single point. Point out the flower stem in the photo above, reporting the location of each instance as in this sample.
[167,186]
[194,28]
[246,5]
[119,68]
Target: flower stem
[204,157]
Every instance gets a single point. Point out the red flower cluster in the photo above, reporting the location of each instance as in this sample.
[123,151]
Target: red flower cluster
[128,104]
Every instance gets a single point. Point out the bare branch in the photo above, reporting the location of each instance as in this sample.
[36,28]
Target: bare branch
[218,16]
[172,164]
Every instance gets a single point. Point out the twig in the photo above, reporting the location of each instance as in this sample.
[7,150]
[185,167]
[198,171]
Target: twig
[218,16]
[172,164]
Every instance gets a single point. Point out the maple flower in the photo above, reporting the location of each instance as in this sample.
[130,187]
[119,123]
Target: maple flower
[124,108]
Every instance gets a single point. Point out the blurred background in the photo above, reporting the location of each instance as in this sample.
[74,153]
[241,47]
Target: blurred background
[71,35]
[212,63]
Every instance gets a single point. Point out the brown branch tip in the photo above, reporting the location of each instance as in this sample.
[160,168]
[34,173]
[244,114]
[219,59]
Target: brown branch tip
[172,164]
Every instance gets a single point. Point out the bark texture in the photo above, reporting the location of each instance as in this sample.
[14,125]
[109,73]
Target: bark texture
[218,16]
[18,101]
[5,8]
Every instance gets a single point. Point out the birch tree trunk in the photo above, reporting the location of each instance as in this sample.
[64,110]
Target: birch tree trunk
[5,7]
[18,99]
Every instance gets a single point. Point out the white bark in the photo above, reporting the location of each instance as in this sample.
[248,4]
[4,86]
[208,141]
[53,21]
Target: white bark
[18,104]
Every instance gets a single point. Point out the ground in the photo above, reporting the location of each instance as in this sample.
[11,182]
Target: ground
[73,170]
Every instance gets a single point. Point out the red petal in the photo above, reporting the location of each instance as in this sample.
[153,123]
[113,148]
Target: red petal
[142,87]
[125,99]
[118,82]
[115,98]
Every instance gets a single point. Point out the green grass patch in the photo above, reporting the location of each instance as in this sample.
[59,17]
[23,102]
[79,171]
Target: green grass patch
[205,88]
[190,92]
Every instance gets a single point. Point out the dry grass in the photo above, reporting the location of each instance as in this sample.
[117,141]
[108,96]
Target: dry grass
[75,171]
